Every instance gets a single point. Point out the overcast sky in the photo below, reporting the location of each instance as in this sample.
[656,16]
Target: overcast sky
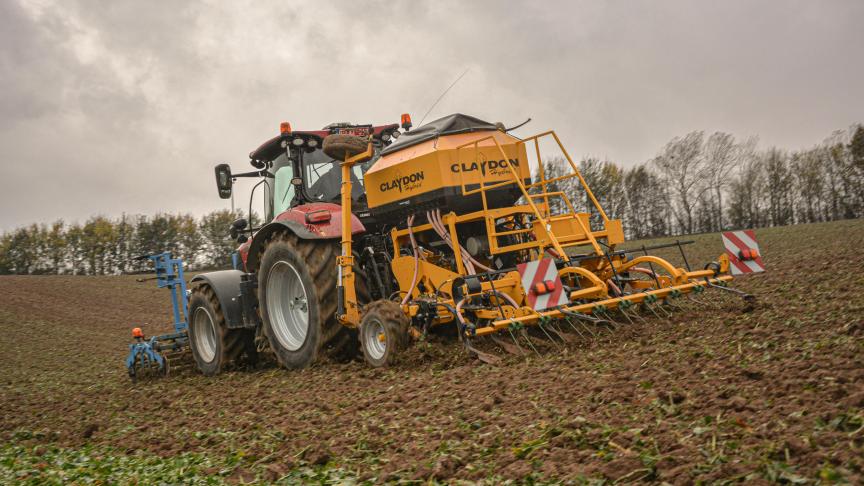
[112,107]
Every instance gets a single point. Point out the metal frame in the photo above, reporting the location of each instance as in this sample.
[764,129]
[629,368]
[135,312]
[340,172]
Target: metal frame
[150,352]
[592,277]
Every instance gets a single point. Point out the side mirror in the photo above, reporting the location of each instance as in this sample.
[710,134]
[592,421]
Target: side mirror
[237,226]
[240,223]
[224,181]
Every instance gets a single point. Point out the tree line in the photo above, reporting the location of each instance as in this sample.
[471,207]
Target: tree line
[104,246]
[696,184]
[700,183]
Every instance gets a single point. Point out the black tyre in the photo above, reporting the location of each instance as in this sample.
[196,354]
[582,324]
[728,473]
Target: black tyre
[297,295]
[214,346]
[383,333]
[340,147]
[345,345]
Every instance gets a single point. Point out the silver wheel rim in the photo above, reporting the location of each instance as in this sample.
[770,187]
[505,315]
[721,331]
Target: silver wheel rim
[205,334]
[287,306]
[375,340]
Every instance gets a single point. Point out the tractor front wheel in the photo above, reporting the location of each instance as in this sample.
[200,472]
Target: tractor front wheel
[383,333]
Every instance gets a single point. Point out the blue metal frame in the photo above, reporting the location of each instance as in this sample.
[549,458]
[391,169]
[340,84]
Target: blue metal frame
[169,274]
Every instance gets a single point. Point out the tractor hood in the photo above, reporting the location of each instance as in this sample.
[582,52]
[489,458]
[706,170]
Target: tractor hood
[449,125]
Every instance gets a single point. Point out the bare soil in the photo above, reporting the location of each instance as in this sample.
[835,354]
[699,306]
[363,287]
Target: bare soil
[716,392]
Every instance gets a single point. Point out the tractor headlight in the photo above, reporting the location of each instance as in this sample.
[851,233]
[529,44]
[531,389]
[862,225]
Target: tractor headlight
[312,142]
[385,137]
[396,134]
[297,141]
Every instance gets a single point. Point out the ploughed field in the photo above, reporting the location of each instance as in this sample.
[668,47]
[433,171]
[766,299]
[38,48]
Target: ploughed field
[712,393]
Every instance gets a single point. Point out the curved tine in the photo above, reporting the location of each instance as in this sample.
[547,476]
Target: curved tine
[692,301]
[626,316]
[592,319]
[590,331]
[675,303]
[704,302]
[651,308]
[542,328]
[713,304]
[670,304]
[608,319]
[565,338]
[483,356]
[527,338]
[507,347]
[578,317]
[516,341]
[575,328]
[635,313]
[660,307]
[608,324]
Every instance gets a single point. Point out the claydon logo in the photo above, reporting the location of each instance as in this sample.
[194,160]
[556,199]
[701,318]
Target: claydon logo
[492,167]
[403,183]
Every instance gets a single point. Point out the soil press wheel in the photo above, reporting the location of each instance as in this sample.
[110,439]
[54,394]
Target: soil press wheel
[383,333]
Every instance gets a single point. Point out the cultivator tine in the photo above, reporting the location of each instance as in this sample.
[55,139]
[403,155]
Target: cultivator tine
[627,316]
[633,312]
[483,356]
[750,299]
[570,323]
[606,320]
[557,330]
[524,334]
[542,327]
[592,319]
[507,347]
[651,309]
[515,341]
[706,303]
[661,307]
[674,300]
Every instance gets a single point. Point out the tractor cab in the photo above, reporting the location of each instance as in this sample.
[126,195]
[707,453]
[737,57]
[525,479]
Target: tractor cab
[295,171]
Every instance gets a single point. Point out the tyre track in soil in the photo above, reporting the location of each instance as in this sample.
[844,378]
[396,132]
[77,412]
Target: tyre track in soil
[712,393]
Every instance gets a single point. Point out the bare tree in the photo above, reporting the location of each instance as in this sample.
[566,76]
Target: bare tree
[723,156]
[778,187]
[681,165]
[807,169]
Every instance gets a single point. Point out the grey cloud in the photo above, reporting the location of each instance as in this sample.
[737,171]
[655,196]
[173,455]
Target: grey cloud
[111,107]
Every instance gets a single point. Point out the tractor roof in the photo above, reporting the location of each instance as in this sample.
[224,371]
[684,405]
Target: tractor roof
[273,148]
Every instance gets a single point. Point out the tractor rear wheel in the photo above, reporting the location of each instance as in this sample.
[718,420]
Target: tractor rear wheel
[214,346]
[383,333]
[296,289]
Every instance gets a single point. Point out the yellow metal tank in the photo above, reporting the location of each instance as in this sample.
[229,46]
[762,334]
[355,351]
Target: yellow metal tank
[426,168]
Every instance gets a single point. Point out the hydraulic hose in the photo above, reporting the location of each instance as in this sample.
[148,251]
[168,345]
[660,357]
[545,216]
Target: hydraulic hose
[643,270]
[410,221]
[474,262]
[438,226]
[455,243]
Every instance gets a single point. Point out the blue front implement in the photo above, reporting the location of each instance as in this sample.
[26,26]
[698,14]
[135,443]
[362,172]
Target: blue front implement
[149,355]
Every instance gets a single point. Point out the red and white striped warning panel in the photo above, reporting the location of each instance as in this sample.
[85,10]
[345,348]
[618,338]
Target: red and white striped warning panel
[542,285]
[743,252]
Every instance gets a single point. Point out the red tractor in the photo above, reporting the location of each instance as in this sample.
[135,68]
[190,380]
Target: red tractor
[284,291]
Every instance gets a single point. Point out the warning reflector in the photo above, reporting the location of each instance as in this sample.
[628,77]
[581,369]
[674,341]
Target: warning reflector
[743,252]
[542,285]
